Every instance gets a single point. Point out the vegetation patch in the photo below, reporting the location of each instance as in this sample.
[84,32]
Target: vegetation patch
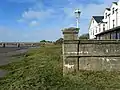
[41,69]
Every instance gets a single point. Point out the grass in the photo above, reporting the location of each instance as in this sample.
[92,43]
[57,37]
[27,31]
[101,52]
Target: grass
[41,69]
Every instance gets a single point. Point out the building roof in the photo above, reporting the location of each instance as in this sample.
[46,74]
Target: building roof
[110,30]
[107,9]
[115,3]
[98,19]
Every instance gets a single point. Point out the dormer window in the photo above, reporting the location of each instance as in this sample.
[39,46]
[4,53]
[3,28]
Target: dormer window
[113,10]
[116,11]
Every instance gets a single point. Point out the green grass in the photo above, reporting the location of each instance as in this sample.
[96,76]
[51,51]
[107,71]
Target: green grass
[41,69]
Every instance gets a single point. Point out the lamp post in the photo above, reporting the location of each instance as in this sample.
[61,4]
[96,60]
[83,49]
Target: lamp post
[77,14]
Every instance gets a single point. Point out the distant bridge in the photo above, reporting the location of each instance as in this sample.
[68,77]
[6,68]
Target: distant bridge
[20,44]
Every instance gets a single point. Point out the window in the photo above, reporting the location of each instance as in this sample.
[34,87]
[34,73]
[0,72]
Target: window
[99,29]
[112,10]
[116,11]
[118,35]
[103,27]
[105,15]
[113,35]
[113,23]
[96,29]
[116,17]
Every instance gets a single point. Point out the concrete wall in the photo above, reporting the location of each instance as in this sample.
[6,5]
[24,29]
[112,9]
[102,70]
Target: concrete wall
[90,55]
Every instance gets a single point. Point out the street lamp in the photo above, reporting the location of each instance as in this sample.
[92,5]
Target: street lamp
[77,14]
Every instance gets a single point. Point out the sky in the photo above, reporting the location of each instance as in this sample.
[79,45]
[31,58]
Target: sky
[35,20]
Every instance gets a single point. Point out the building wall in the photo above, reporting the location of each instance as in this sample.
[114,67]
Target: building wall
[118,15]
[113,15]
[106,19]
[93,29]
[102,26]
[110,35]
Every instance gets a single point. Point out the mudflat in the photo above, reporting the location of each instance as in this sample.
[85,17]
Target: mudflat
[6,53]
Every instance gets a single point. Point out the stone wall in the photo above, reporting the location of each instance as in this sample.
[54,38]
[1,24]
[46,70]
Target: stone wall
[90,54]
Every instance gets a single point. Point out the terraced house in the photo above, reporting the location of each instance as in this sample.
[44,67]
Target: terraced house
[106,26]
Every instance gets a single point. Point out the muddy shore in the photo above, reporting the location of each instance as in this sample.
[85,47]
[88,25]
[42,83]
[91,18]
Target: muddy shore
[6,53]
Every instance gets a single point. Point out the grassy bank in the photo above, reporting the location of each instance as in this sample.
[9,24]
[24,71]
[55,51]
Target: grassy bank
[41,69]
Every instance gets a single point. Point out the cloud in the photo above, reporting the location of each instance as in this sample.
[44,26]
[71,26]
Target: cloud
[51,20]
[34,23]
[32,16]
[88,10]
[37,13]
[8,34]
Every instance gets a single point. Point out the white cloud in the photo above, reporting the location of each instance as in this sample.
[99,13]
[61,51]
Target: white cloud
[34,23]
[32,17]
[31,14]
[8,34]
[37,14]
[88,11]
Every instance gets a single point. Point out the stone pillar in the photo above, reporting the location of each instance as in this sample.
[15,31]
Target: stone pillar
[69,36]
[3,45]
[70,33]
[18,45]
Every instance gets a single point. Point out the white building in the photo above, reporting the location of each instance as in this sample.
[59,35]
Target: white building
[109,20]
[96,26]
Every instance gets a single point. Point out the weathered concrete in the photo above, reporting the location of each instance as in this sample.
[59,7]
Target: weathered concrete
[71,33]
[90,54]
